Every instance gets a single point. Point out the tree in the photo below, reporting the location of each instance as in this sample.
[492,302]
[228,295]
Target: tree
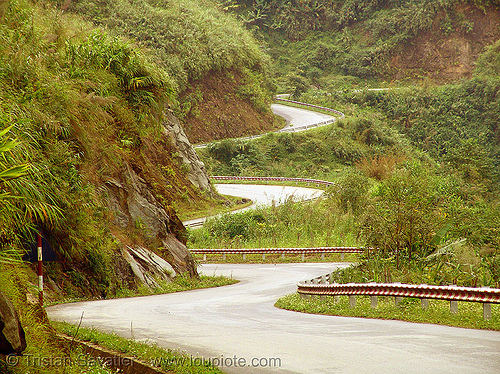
[404,216]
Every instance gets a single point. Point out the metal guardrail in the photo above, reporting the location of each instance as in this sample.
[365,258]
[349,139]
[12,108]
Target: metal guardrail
[342,115]
[292,129]
[283,251]
[273,179]
[319,287]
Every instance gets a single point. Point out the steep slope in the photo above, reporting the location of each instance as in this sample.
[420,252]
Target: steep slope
[109,159]
[391,40]
[217,66]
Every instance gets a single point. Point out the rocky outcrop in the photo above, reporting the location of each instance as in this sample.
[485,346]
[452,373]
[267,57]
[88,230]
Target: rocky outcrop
[197,173]
[12,339]
[147,266]
[134,206]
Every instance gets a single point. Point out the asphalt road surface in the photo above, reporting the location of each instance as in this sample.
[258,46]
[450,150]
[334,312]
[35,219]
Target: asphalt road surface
[240,321]
[298,117]
[261,195]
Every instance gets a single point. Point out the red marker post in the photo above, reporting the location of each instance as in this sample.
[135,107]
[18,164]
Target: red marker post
[40,267]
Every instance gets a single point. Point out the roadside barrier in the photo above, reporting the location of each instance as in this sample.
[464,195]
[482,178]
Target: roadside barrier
[342,115]
[273,179]
[320,287]
[283,251]
[292,129]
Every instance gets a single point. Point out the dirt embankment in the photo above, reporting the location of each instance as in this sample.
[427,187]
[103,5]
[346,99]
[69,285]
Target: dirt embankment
[448,51]
[218,107]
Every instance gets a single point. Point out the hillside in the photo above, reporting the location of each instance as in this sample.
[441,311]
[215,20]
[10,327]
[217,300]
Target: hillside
[220,73]
[337,43]
[95,123]
[94,153]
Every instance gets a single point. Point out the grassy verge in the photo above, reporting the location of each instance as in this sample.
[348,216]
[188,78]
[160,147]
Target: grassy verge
[470,315]
[166,359]
[179,284]
[275,258]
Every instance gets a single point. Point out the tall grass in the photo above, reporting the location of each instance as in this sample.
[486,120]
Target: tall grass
[291,224]
[189,37]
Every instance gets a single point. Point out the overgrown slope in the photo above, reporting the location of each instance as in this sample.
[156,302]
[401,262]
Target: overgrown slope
[108,159]
[92,117]
[313,41]
[87,111]
[217,66]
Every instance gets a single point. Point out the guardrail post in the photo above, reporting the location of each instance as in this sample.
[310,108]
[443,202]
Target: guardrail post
[397,301]
[224,257]
[283,256]
[373,301]
[322,256]
[323,279]
[454,306]
[352,301]
[303,257]
[244,256]
[487,311]
[204,257]
[342,256]
[424,303]
[263,256]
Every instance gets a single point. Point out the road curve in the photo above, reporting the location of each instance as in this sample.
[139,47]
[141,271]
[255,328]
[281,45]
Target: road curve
[240,320]
[261,195]
[298,117]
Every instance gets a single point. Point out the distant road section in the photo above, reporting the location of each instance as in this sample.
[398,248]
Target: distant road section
[261,195]
[299,118]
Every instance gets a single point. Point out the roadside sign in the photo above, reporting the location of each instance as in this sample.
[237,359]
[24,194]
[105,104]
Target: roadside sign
[48,253]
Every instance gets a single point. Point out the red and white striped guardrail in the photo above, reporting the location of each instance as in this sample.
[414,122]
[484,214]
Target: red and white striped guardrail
[273,179]
[484,295]
[283,251]
[311,106]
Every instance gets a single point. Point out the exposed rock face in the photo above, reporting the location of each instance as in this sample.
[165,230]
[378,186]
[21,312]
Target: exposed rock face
[135,206]
[147,266]
[197,173]
[12,339]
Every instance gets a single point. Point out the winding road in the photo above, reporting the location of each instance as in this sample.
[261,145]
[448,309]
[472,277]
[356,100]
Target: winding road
[239,322]
[299,118]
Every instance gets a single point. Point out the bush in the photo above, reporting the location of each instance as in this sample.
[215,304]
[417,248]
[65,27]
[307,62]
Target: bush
[404,215]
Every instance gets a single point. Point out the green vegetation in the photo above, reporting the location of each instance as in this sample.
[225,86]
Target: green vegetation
[335,44]
[190,39]
[180,283]
[289,224]
[322,153]
[416,174]
[470,315]
[82,105]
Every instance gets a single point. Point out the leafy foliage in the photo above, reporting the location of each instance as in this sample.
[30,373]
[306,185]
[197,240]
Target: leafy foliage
[189,37]
[317,40]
